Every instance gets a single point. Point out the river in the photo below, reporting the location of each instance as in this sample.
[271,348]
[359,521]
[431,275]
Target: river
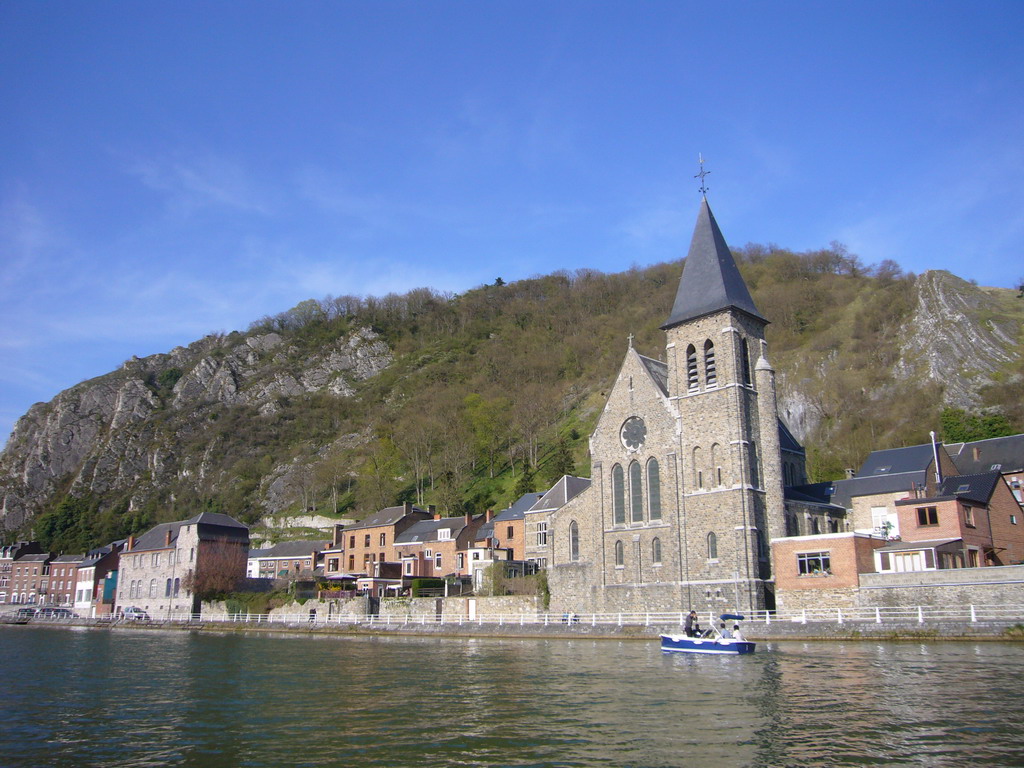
[168,698]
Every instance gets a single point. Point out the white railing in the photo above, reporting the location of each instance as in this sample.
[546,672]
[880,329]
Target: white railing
[923,615]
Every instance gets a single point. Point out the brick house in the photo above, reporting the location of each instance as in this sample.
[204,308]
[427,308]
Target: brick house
[63,579]
[30,578]
[9,553]
[824,569]
[506,530]
[154,568]
[438,547]
[358,546]
[969,522]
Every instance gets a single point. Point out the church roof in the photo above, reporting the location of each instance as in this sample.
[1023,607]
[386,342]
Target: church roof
[711,280]
[657,370]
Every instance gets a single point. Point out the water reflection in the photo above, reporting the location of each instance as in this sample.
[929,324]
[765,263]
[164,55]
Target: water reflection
[141,698]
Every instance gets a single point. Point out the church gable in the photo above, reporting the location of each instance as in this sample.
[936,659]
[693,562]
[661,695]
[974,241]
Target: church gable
[638,393]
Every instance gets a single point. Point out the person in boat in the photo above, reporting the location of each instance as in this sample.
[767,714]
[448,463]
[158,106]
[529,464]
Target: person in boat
[691,627]
[724,631]
[736,633]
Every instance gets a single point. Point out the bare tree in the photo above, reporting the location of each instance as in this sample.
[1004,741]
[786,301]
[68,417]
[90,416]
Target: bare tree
[220,565]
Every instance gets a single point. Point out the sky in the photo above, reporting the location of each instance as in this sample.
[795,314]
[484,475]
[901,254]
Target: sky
[170,170]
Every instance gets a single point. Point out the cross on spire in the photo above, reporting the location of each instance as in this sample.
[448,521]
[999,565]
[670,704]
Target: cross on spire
[631,341]
[701,175]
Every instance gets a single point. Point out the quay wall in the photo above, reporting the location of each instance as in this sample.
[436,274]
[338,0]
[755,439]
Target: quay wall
[999,585]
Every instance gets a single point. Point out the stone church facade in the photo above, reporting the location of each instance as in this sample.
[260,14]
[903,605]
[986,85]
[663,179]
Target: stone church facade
[687,467]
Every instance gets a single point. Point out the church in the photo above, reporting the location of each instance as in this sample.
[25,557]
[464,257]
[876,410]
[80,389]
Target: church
[688,460]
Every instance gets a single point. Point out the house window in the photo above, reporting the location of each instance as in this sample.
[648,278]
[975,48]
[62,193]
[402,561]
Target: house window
[351,542]
[656,551]
[383,539]
[170,558]
[654,489]
[155,561]
[444,534]
[542,534]
[408,567]
[927,516]
[167,588]
[813,563]
[620,557]
[712,546]
[460,560]
[618,496]
[574,541]
[636,493]
[1013,519]
[509,532]
[437,561]
[692,382]
[177,587]
[351,562]
[710,371]
[366,540]
[969,517]
[152,587]
[332,564]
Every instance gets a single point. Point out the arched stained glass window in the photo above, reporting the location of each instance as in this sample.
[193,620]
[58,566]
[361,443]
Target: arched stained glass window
[618,496]
[698,475]
[712,546]
[636,493]
[654,489]
[574,541]
[656,551]
[620,557]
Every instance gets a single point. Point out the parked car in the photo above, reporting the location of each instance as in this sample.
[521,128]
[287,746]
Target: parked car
[131,613]
[56,613]
[24,614]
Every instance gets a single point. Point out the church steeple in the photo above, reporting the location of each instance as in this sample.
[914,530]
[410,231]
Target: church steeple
[711,280]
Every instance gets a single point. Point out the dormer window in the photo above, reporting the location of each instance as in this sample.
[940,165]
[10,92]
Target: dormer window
[444,534]
[963,488]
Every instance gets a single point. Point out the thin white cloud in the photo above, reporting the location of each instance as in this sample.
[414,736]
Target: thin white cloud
[195,182]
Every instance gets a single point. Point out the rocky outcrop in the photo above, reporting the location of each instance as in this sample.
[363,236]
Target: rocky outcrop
[957,337]
[100,436]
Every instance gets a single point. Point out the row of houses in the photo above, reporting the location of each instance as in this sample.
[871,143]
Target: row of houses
[921,508]
[917,509]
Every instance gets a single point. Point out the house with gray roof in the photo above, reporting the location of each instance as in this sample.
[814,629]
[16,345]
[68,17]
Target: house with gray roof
[998,454]
[287,560]
[158,567]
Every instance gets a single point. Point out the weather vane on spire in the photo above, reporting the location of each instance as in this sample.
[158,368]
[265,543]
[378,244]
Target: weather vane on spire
[701,175]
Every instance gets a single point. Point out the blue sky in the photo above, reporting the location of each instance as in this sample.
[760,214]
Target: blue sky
[174,169]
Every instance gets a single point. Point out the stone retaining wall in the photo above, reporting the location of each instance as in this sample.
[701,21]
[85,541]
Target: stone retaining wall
[1001,585]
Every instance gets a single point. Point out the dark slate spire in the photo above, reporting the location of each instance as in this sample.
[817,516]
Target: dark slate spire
[711,280]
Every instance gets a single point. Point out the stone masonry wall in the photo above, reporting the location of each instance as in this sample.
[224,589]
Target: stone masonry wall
[1002,585]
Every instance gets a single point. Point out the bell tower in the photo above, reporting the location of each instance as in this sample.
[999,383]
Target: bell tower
[723,392]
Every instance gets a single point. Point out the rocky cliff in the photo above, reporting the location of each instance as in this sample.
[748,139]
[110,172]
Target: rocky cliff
[122,433]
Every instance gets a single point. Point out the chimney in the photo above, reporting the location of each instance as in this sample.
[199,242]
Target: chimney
[469,518]
[433,512]
[167,538]
[488,515]
[850,473]
[131,543]
[407,507]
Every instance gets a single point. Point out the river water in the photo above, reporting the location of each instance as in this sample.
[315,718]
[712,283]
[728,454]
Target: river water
[167,698]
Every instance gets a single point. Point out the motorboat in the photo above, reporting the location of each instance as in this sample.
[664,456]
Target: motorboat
[709,641]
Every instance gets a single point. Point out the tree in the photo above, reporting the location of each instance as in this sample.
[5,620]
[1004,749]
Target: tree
[524,484]
[562,462]
[220,566]
[959,426]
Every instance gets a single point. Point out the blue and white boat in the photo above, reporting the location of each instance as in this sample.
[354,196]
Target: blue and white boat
[710,642]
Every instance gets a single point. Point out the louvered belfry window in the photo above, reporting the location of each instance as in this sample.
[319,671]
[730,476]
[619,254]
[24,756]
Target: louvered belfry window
[691,368]
[710,371]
